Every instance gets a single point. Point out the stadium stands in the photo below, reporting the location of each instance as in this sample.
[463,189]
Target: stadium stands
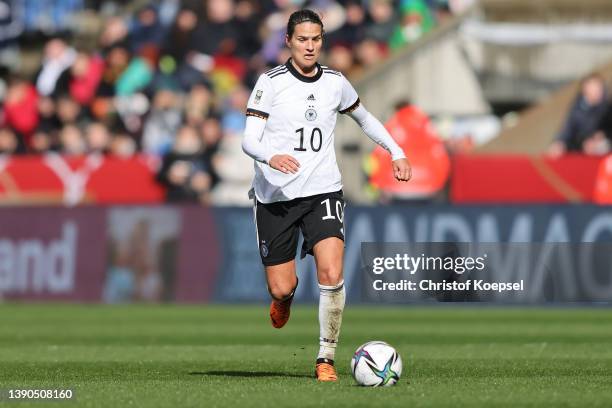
[120,79]
[116,79]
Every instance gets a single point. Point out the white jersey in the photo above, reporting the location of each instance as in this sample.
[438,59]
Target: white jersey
[301,116]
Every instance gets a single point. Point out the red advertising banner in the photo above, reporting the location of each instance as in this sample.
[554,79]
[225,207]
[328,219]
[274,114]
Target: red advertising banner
[526,179]
[56,179]
[52,254]
[199,256]
[161,254]
[112,255]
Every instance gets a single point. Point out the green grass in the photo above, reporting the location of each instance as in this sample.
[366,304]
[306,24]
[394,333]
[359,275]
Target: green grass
[226,356]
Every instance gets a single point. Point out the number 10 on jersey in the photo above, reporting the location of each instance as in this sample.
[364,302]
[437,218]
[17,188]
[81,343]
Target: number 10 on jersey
[316,140]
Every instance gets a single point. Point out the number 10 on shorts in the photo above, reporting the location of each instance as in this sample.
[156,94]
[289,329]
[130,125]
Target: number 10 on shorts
[339,210]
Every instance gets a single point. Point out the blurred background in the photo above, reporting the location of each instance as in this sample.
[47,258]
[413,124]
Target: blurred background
[122,176]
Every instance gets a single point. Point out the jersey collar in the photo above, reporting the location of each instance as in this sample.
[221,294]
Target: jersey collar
[301,77]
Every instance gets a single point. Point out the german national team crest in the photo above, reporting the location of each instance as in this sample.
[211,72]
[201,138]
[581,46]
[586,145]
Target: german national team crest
[311,114]
[264,249]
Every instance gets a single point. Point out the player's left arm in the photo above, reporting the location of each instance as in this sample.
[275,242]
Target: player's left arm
[351,105]
[379,134]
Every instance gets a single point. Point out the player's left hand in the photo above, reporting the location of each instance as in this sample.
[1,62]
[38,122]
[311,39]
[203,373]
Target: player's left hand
[402,170]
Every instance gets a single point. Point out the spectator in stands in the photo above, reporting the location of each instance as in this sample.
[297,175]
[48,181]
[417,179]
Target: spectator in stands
[369,52]
[115,33]
[71,141]
[117,60]
[9,142]
[122,144]
[581,131]
[183,171]
[69,112]
[44,138]
[416,21]
[85,76]
[178,58]
[273,50]
[353,30]
[163,122]
[21,108]
[179,40]
[146,30]
[235,173]
[53,77]
[341,58]
[48,120]
[219,33]
[247,19]
[167,11]
[97,138]
[198,105]
[42,142]
[383,21]
[139,72]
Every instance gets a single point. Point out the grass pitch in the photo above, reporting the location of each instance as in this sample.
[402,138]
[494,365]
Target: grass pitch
[225,356]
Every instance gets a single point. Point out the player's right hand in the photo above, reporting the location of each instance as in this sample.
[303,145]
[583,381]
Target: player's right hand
[284,163]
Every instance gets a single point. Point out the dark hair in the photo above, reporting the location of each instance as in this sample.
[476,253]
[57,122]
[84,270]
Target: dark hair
[302,16]
[594,76]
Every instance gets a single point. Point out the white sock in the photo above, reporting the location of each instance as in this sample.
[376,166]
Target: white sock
[331,306]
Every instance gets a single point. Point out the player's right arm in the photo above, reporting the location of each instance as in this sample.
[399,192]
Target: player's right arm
[257,113]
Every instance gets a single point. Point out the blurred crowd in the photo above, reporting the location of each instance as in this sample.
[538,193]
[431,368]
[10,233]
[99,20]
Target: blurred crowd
[172,78]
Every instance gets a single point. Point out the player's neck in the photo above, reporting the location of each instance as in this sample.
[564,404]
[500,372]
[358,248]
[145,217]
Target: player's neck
[308,72]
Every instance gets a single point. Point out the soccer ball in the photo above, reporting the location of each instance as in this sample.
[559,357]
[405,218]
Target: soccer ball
[376,364]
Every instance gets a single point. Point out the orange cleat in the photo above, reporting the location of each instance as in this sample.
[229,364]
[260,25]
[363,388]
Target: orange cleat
[325,370]
[280,311]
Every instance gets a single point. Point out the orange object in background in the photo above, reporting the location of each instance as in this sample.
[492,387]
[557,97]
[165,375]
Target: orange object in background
[412,130]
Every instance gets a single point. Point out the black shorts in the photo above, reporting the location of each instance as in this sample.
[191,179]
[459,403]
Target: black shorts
[278,225]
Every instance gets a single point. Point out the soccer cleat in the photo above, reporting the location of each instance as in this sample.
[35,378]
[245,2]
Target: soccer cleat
[280,311]
[325,370]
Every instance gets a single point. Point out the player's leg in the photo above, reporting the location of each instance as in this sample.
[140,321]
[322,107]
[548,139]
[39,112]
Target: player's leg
[328,257]
[323,230]
[282,283]
[277,237]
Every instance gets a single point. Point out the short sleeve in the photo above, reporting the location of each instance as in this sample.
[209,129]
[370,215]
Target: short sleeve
[260,100]
[349,101]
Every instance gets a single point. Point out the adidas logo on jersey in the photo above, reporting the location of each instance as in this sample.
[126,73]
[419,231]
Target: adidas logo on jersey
[311,98]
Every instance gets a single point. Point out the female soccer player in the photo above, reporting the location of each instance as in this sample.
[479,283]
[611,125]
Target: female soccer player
[291,115]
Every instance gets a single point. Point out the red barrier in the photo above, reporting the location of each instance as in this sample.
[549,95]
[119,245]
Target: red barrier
[524,179]
[55,179]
